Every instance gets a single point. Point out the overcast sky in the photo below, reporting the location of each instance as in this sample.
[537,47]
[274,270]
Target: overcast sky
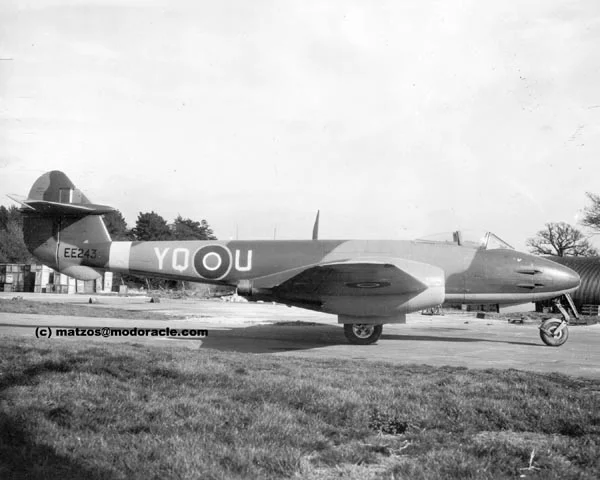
[396,119]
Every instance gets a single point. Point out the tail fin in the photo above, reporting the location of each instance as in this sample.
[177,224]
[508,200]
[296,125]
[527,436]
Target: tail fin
[315,235]
[54,194]
[58,218]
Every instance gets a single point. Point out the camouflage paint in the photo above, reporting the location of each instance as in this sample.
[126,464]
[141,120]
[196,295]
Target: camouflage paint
[360,278]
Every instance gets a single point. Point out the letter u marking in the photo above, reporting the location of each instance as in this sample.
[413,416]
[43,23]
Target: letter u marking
[248,266]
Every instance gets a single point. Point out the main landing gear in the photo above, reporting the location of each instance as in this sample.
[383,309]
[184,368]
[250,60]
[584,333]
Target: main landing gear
[554,331]
[362,333]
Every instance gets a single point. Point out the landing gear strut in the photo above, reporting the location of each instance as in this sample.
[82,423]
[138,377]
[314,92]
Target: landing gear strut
[554,332]
[362,333]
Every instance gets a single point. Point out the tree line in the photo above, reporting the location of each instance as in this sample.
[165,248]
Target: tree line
[148,226]
[557,238]
[151,226]
[12,245]
[562,239]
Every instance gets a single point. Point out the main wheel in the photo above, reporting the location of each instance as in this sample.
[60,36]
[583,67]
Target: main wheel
[362,333]
[547,332]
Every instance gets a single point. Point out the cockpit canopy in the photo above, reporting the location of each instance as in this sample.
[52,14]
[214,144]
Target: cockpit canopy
[468,238]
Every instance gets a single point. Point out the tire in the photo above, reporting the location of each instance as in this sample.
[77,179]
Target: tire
[362,333]
[547,329]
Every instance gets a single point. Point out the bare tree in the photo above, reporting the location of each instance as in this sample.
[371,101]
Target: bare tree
[561,239]
[591,213]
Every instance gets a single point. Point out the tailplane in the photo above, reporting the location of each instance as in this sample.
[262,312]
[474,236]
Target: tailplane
[61,226]
[54,194]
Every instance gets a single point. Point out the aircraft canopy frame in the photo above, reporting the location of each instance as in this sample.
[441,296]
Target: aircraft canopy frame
[469,238]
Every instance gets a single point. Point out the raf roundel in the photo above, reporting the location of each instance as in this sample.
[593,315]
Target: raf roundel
[212,262]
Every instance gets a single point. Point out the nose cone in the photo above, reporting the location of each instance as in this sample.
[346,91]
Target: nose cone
[563,279]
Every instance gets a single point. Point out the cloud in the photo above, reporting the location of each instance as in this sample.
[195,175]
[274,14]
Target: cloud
[402,113]
[95,50]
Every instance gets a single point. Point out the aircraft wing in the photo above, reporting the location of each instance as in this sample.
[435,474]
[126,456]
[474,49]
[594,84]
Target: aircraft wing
[372,276]
[365,287]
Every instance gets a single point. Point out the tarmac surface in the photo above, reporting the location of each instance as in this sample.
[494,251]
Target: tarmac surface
[456,339]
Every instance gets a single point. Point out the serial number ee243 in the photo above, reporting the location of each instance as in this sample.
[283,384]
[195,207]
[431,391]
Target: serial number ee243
[80,253]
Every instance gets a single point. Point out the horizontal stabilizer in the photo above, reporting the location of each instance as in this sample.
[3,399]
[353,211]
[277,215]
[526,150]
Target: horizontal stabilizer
[57,208]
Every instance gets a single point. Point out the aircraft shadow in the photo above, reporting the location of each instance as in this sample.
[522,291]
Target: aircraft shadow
[275,338]
[434,338]
[287,338]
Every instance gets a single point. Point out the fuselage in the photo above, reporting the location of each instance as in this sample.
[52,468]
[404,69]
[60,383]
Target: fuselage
[471,275]
[366,283]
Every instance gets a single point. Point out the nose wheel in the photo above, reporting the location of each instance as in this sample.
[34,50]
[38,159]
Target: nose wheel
[553,331]
[362,333]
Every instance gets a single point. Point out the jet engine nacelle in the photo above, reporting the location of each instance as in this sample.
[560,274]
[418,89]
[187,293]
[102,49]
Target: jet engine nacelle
[246,289]
[385,305]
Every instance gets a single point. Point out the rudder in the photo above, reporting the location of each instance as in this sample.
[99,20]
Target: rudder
[58,220]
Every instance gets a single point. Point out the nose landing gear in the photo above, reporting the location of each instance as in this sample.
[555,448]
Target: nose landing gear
[553,331]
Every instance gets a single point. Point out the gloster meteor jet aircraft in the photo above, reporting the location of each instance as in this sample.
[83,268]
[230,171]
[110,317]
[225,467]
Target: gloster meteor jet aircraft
[365,283]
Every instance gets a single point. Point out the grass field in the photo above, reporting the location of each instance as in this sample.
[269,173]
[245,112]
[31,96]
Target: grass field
[73,309]
[127,411]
